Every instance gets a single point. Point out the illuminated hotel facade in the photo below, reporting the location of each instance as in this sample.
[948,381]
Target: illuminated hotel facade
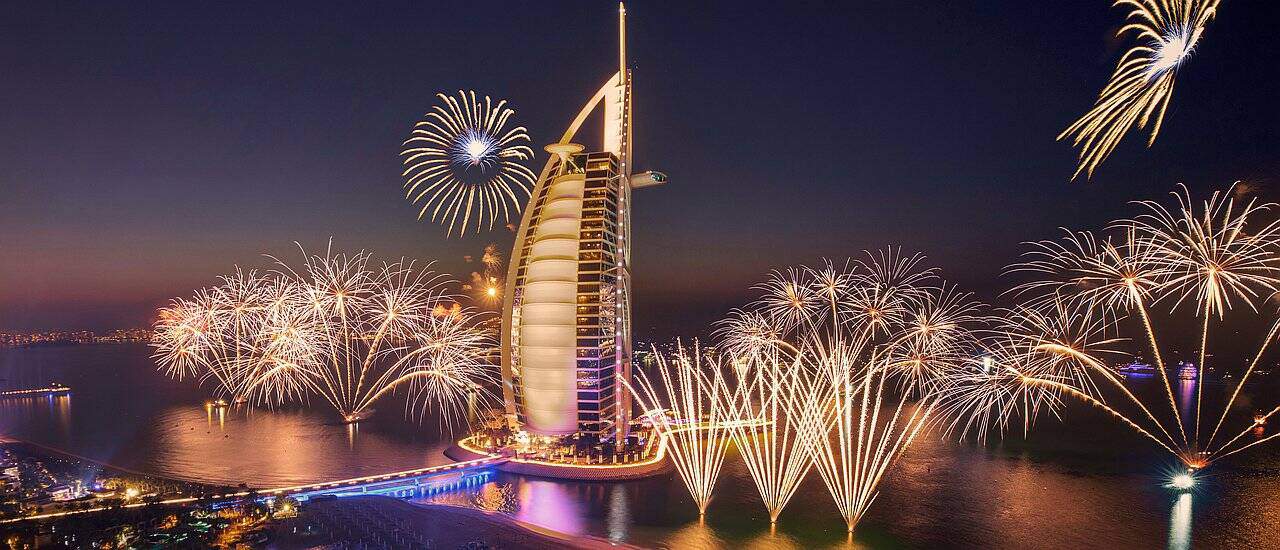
[566,325]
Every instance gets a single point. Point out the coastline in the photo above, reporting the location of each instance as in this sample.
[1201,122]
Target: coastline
[31,448]
[439,523]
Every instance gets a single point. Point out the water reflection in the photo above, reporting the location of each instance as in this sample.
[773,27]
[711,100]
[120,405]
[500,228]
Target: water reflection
[220,412]
[53,411]
[619,518]
[695,535]
[60,406]
[1180,523]
[1186,399]
[551,505]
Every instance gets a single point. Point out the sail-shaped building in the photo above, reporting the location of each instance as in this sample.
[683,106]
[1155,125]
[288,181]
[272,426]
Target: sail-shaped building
[566,323]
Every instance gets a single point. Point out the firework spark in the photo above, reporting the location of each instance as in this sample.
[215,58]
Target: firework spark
[858,430]
[486,286]
[462,163]
[772,433]
[1166,32]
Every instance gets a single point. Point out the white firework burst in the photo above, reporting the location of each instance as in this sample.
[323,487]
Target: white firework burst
[463,165]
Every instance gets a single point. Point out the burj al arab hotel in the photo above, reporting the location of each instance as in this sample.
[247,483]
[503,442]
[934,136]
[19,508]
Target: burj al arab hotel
[566,322]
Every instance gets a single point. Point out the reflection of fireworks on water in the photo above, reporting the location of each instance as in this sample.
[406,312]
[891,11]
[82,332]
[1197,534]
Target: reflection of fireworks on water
[1204,257]
[1167,32]
[462,163]
[692,413]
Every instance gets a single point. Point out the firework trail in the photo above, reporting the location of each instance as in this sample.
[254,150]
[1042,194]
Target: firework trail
[693,413]
[463,164]
[1166,32]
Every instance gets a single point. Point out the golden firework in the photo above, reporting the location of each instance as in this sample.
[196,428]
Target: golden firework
[1166,33]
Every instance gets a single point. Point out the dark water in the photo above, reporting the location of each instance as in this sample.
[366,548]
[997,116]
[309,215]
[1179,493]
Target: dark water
[1087,484]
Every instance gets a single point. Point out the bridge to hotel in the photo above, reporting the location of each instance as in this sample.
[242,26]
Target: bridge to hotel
[409,483]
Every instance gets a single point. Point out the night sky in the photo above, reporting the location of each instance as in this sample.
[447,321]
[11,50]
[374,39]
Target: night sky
[146,148]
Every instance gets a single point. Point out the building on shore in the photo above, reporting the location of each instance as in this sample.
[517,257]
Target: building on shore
[566,325]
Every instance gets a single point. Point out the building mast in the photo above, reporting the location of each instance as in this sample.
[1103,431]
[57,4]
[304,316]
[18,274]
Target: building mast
[622,41]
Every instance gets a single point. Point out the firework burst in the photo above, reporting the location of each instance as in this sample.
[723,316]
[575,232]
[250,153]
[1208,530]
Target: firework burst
[462,163]
[210,336]
[486,286]
[842,369]
[1166,33]
[341,328]
[1202,257]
